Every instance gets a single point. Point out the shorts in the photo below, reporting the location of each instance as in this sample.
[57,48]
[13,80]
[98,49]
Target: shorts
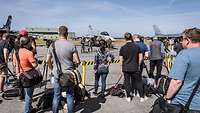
[3,72]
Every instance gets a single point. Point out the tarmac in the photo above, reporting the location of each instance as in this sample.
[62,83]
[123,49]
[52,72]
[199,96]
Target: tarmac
[109,104]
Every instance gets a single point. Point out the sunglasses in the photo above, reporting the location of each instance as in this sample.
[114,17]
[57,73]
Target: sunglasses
[182,39]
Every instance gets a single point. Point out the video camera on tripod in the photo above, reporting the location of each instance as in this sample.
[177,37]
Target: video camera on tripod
[48,42]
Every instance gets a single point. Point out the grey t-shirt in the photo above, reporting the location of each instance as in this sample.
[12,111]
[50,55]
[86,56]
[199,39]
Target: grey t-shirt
[64,50]
[156,50]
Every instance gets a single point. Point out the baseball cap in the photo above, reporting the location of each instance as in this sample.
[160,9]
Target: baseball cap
[23,32]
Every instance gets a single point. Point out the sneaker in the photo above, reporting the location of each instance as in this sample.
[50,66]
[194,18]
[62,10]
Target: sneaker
[148,95]
[102,96]
[128,99]
[141,99]
[1,96]
[21,99]
[33,110]
[145,97]
[64,94]
[95,93]
[132,94]
[65,106]
[1,93]
[137,95]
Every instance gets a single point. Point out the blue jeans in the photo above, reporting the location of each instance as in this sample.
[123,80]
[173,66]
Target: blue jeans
[103,82]
[57,97]
[28,99]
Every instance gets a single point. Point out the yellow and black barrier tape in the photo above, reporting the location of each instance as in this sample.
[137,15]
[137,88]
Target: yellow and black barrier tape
[92,62]
[84,62]
[87,62]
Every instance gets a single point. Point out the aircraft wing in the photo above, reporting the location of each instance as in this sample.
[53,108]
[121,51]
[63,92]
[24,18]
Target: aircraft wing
[173,35]
[159,34]
[169,35]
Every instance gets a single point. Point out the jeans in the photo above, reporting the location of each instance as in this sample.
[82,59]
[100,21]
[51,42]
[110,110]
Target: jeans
[21,93]
[28,99]
[103,82]
[57,97]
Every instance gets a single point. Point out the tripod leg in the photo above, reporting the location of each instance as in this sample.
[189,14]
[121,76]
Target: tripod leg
[43,73]
[45,87]
[145,66]
[7,82]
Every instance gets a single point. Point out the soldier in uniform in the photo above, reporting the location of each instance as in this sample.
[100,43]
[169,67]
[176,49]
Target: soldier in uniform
[83,41]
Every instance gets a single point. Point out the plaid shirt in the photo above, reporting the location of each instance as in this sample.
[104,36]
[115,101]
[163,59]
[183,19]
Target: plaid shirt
[102,58]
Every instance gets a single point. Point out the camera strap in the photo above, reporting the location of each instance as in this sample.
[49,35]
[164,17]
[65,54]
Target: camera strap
[2,58]
[18,60]
[187,105]
[58,64]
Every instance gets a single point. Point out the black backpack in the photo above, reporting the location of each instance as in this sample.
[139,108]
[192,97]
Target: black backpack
[45,101]
[117,91]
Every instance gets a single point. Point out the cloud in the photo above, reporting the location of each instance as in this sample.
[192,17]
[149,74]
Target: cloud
[172,2]
[100,6]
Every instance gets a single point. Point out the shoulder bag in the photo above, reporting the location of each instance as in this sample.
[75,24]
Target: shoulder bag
[65,79]
[162,106]
[28,78]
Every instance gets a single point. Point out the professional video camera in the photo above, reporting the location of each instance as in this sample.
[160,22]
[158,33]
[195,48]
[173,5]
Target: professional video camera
[48,42]
[12,41]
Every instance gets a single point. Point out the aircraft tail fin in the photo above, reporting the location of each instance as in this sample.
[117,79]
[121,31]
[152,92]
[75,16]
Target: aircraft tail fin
[8,23]
[156,30]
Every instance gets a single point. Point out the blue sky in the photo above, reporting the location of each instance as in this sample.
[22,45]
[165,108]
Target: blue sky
[114,16]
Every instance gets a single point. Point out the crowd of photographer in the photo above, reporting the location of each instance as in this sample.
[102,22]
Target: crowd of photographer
[23,50]
[181,96]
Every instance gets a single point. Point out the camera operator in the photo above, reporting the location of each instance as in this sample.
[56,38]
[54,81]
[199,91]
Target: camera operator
[4,52]
[25,62]
[24,33]
[32,48]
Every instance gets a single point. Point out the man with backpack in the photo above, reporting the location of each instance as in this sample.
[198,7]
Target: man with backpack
[185,74]
[65,56]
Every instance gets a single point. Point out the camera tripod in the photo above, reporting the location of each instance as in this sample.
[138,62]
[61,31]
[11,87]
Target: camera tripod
[45,75]
[11,78]
[45,70]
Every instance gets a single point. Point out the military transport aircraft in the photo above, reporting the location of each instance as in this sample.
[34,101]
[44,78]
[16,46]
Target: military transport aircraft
[159,34]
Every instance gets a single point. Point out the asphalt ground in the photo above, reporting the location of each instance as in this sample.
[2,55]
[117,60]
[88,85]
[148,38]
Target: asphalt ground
[110,104]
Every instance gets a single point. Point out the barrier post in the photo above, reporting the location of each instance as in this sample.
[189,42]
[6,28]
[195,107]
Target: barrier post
[83,72]
[169,62]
